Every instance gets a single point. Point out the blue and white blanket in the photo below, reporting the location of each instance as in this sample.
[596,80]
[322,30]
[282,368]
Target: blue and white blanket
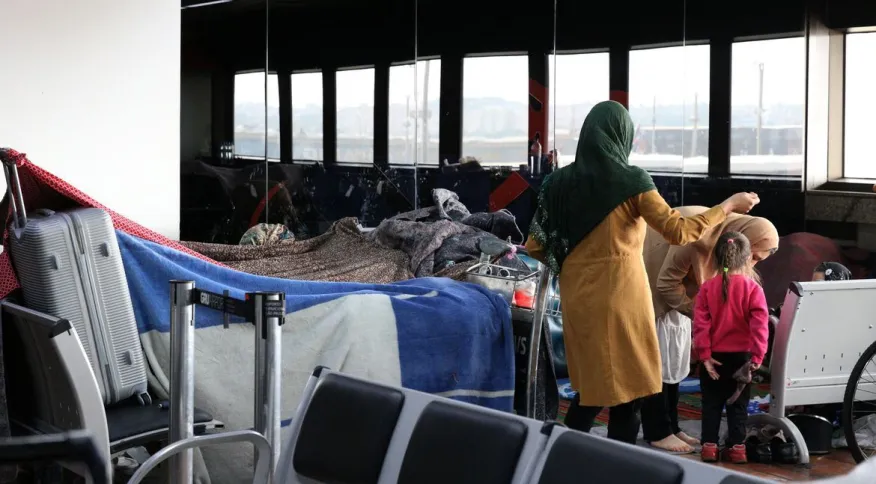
[433,335]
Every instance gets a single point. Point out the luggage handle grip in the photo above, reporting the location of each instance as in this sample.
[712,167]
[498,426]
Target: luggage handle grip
[45,212]
[13,186]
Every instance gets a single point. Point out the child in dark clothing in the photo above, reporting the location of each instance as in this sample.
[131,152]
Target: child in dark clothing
[831,271]
[730,330]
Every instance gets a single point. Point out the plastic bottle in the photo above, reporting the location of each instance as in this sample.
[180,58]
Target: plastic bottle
[535,155]
[524,294]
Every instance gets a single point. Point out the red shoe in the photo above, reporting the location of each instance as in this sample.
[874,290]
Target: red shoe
[710,453]
[735,454]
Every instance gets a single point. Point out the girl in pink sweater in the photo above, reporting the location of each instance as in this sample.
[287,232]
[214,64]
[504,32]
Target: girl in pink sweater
[730,331]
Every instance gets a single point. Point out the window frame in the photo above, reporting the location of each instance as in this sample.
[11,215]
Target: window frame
[264,157]
[837,163]
[827,172]
[291,113]
[497,166]
[338,70]
[762,38]
[682,44]
[437,163]
[834,180]
[552,88]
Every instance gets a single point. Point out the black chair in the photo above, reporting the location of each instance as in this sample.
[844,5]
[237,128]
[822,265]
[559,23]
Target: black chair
[453,443]
[132,425]
[52,389]
[574,455]
[75,447]
[735,479]
[349,430]
[345,431]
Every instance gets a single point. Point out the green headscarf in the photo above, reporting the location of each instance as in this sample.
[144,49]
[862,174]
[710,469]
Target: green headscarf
[577,198]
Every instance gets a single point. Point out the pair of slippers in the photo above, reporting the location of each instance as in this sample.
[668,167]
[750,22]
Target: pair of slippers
[770,446]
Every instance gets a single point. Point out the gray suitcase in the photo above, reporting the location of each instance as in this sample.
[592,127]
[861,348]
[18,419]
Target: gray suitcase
[69,266]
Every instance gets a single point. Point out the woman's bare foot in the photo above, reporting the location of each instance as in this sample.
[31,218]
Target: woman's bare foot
[687,439]
[672,444]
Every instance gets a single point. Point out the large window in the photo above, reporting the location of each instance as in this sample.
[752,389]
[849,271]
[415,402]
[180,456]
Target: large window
[669,104]
[250,129]
[414,98]
[768,95]
[860,104]
[307,116]
[495,111]
[578,81]
[355,123]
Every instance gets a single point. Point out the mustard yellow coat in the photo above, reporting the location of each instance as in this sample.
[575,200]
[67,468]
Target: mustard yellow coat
[608,315]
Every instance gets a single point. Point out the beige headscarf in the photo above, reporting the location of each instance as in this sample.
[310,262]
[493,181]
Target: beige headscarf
[675,273]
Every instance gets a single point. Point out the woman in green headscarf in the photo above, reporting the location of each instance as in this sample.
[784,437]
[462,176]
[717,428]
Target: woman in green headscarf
[589,228]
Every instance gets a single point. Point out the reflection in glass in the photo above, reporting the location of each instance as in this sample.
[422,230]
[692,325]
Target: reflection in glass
[249,115]
[580,81]
[408,120]
[669,104]
[307,116]
[495,112]
[768,95]
[355,123]
[859,106]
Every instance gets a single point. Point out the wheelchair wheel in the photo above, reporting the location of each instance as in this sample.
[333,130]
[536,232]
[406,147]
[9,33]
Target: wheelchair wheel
[860,401]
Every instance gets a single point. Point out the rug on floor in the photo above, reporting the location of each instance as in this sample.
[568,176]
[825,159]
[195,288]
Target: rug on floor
[689,405]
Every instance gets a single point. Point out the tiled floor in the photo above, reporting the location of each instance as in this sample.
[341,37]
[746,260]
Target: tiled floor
[836,463]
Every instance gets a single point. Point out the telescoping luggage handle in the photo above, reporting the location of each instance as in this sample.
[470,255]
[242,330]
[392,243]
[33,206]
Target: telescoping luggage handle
[266,310]
[16,200]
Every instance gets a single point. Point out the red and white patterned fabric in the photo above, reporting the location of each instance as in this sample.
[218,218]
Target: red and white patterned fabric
[42,189]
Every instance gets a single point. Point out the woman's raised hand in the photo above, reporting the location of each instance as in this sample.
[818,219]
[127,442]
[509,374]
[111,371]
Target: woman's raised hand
[741,202]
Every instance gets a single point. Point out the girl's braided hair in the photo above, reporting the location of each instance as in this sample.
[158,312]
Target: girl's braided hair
[732,254]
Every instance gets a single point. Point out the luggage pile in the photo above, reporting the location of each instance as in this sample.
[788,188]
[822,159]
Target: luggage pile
[69,266]
[70,269]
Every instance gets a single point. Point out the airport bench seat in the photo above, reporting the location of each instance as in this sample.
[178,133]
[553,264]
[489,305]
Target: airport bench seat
[349,430]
